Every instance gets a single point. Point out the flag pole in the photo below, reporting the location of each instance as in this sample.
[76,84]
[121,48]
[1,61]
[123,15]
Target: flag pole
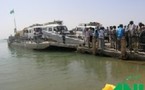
[15,30]
[13,12]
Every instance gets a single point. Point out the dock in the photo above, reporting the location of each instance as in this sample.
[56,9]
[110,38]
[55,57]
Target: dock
[107,52]
[124,54]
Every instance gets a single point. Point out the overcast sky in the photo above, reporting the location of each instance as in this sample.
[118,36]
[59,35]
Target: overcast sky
[72,12]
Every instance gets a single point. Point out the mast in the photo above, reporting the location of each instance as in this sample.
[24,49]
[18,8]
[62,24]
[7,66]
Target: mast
[13,12]
[15,29]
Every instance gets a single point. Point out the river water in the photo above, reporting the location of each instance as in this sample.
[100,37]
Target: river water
[22,69]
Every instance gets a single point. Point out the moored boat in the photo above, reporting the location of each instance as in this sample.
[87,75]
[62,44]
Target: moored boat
[41,36]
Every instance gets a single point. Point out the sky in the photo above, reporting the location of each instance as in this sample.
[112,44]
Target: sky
[71,12]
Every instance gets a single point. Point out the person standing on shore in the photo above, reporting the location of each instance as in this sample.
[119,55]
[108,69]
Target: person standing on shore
[119,33]
[101,38]
[110,36]
[87,34]
[126,36]
[114,38]
[131,29]
[96,33]
[91,31]
[106,33]
[84,35]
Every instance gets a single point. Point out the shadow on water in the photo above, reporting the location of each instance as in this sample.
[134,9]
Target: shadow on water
[49,49]
[58,49]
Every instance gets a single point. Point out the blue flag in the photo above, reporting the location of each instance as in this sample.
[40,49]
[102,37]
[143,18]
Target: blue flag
[12,11]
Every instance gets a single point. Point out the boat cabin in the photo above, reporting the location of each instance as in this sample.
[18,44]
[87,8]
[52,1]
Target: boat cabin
[55,28]
[34,31]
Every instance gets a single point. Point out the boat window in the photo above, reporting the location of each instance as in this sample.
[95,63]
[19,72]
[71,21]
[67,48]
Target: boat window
[61,28]
[49,29]
[44,29]
[26,31]
[55,29]
[37,29]
[79,29]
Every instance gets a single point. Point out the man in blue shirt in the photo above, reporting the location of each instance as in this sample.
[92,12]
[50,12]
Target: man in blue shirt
[119,34]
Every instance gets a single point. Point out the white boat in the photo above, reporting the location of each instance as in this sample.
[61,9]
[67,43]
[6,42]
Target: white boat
[56,31]
[41,36]
[79,30]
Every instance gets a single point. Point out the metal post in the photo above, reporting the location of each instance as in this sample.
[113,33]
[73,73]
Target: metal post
[94,45]
[15,29]
[123,48]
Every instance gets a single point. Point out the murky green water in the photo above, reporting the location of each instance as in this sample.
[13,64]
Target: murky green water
[22,69]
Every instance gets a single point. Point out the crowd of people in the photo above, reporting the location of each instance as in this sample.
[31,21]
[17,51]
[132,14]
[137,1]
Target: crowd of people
[131,33]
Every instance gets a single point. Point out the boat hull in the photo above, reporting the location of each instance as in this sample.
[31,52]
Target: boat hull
[29,45]
[43,45]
